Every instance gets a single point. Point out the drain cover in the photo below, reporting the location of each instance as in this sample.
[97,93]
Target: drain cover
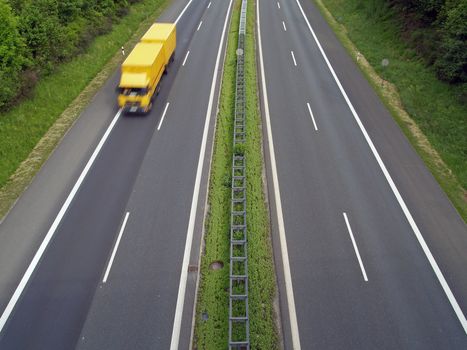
[216,265]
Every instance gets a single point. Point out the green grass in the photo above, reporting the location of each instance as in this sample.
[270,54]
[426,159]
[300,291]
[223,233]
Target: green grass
[213,296]
[25,125]
[437,108]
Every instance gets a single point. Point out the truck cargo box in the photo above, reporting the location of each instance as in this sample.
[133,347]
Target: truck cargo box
[143,65]
[164,33]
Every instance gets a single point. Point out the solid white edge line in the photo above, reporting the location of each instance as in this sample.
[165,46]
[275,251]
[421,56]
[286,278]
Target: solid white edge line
[312,116]
[280,218]
[293,57]
[183,11]
[209,5]
[199,26]
[163,116]
[283,24]
[355,247]
[194,203]
[434,265]
[186,57]
[50,233]
[114,251]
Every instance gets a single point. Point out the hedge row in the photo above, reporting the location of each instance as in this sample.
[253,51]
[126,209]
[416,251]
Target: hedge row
[36,35]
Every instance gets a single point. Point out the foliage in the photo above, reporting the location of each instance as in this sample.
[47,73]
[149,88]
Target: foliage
[37,35]
[438,31]
[451,64]
[12,51]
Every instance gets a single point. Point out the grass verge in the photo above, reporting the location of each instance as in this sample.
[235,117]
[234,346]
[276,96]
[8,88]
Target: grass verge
[32,130]
[213,295]
[431,113]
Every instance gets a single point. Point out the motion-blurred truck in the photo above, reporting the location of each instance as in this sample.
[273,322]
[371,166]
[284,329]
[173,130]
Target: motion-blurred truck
[142,70]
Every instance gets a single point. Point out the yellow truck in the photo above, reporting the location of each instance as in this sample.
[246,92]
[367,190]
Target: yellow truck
[162,33]
[142,70]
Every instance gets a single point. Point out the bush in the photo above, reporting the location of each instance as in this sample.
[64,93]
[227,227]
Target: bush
[38,35]
[451,65]
[438,31]
[44,35]
[12,51]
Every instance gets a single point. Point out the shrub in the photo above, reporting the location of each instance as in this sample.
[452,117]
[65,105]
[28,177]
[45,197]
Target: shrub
[37,35]
[438,31]
[12,58]
[451,64]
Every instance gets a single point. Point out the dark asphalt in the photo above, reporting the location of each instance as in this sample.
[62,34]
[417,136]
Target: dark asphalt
[135,308]
[322,174]
[330,171]
[149,173]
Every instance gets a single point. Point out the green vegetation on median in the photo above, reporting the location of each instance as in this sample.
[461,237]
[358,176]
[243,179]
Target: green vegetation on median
[432,114]
[213,297]
[49,112]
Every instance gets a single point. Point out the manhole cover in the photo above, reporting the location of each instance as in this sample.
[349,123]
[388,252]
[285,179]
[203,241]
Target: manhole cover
[239,52]
[216,265]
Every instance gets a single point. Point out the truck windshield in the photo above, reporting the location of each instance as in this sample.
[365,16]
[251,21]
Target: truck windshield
[133,91]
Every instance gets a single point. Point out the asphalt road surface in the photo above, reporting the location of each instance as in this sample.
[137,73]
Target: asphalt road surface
[113,237]
[369,251]
[352,203]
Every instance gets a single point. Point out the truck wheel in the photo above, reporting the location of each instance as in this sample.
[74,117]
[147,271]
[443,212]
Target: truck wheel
[165,70]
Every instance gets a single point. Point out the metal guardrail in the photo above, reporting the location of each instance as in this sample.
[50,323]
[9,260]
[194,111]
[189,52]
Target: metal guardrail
[239,323]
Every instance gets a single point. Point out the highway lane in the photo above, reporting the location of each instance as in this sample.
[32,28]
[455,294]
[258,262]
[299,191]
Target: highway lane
[42,200]
[53,308]
[442,227]
[135,308]
[360,280]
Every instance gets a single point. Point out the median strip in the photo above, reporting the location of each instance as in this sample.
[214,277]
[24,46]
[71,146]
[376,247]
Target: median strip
[212,313]
[239,322]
